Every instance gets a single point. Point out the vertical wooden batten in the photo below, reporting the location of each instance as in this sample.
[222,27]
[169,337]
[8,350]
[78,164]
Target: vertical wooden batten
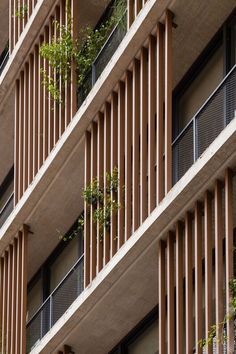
[162,296]
[107,167]
[93,227]
[189,282]
[87,179]
[179,289]
[168,100]
[170,293]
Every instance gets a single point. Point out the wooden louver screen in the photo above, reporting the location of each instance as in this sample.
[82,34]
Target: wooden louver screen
[127,133]
[13,295]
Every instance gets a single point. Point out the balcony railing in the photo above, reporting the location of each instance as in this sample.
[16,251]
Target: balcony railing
[205,126]
[6,209]
[102,59]
[4,58]
[56,304]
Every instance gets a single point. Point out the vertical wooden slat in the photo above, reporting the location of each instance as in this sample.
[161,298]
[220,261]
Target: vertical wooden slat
[128,152]
[137,7]
[37,112]
[16,24]
[10,25]
[87,178]
[100,170]
[143,133]
[160,112]
[151,123]
[168,101]
[229,253]
[18,294]
[23,270]
[74,29]
[93,229]
[198,276]
[14,287]
[1,297]
[21,137]
[121,162]
[4,303]
[39,117]
[16,144]
[50,99]
[56,104]
[30,118]
[9,299]
[25,133]
[208,265]
[130,16]
[162,297]
[61,85]
[114,161]
[170,293]
[135,143]
[45,101]
[179,290]
[107,167]
[189,283]
[218,263]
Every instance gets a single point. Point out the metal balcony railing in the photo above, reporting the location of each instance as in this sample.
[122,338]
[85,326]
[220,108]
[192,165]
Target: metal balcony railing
[205,126]
[56,304]
[4,58]
[102,59]
[6,209]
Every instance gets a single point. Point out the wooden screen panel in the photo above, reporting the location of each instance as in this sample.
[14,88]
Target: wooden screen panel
[143,134]
[114,162]
[128,154]
[135,144]
[87,179]
[30,118]
[38,119]
[168,101]
[151,124]
[26,127]
[160,113]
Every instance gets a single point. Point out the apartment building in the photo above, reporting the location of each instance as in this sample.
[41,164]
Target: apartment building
[117,176]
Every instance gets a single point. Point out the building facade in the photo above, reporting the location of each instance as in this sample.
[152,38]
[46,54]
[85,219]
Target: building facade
[117,176]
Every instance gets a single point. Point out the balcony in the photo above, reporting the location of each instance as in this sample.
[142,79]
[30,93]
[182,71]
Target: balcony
[4,58]
[6,209]
[102,59]
[215,114]
[6,197]
[56,304]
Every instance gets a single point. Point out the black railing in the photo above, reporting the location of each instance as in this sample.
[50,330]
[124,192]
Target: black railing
[205,126]
[56,304]
[6,209]
[4,58]
[102,59]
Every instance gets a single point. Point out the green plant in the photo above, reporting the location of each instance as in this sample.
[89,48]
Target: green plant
[64,50]
[220,327]
[21,11]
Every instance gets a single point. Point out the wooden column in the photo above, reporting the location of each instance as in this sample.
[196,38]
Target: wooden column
[219,263]
[151,123]
[189,283]
[168,101]
[162,297]
[135,144]
[198,276]
[87,179]
[229,253]
[208,265]
[128,152]
[160,113]
[143,133]
[170,293]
